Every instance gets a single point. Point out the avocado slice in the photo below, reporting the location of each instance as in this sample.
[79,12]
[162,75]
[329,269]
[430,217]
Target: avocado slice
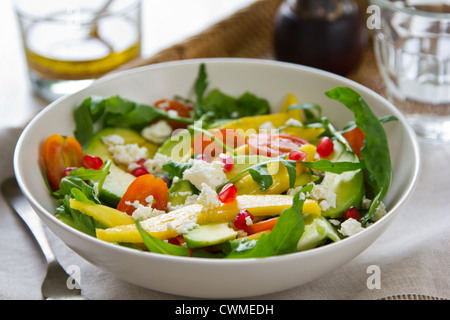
[348,186]
[179,192]
[209,234]
[118,180]
[178,146]
[318,230]
[97,148]
[114,186]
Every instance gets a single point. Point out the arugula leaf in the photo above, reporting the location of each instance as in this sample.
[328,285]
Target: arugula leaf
[201,83]
[175,169]
[261,175]
[333,167]
[158,246]
[116,111]
[222,105]
[310,117]
[76,219]
[284,236]
[375,153]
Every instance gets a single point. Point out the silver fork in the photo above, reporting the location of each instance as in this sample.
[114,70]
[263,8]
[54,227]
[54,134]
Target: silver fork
[55,284]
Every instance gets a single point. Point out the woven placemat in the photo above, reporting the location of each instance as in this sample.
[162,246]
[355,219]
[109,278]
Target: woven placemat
[248,33]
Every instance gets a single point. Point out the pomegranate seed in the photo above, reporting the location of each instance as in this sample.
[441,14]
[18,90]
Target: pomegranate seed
[92,162]
[241,219]
[139,171]
[352,212]
[228,193]
[228,162]
[325,147]
[298,155]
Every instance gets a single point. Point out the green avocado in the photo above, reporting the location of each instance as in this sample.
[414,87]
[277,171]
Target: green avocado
[348,186]
[114,186]
[178,146]
[318,230]
[118,180]
[209,234]
[179,192]
[96,147]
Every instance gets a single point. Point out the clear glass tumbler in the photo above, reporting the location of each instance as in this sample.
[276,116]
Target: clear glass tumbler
[70,43]
[412,48]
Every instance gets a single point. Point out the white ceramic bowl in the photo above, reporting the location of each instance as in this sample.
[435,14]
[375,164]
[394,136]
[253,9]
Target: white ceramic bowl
[209,278]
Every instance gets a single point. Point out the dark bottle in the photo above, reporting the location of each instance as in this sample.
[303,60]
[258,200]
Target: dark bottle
[325,34]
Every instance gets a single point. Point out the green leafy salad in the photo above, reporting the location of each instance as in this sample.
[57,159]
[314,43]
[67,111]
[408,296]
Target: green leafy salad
[218,176]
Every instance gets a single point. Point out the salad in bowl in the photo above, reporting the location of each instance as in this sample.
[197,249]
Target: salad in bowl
[219,176]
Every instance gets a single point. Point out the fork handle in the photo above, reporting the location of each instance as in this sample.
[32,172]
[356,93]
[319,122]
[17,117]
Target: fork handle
[20,205]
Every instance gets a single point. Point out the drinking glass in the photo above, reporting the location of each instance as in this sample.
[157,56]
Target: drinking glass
[412,48]
[69,43]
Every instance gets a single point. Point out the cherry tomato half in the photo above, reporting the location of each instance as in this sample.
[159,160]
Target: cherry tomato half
[183,110]
[274,145]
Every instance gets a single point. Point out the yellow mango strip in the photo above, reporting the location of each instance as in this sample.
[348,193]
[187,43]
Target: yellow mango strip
[309,134]
[291,99]
[249,125]
[273,205]
[107,216]
[280,178]
[164,226]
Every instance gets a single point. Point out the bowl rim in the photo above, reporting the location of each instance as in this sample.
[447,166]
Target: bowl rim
[194,260]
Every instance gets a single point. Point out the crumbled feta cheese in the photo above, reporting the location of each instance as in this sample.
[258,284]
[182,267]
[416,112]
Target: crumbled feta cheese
[248,220]
[142,211]
[127,153]
[334,222]
[323,194]
[186,226]
[113,139]
[293,123]
[154,166]
[172,113]
[170,207]
[292,192]
[192,200]
[146,213]
[350,227]
[267,126]
[204,172]
[157,132]
[379,212]
[149,200]
[184,193]
[365,203]
[208,197]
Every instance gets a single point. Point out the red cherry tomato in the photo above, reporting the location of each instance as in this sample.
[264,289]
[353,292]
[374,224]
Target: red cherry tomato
[273,145]
[183,110]
[209,149]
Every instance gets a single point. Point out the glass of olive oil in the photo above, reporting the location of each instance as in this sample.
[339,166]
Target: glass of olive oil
[69,43]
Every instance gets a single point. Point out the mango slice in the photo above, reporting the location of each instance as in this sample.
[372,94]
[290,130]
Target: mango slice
[164,226]
[250,125]
[107,216]
[290,100]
